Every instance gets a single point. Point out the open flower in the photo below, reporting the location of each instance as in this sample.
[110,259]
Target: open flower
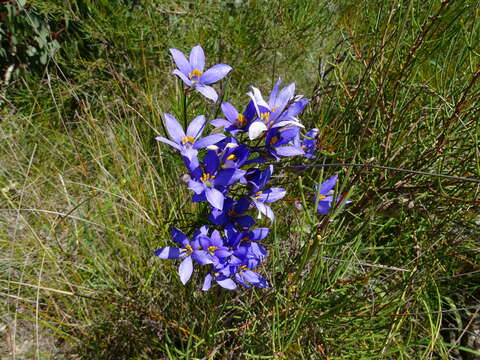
[210,182]
[235,122]
[188,251]
[280,110]
[188,143]
[192,72]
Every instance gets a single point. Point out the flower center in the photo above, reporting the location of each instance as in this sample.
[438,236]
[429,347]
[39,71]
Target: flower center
[188,139]
[189,249]
[265,116]
[231,157]
[258,195]
[303,147]
[207,179]
[273,140]
[241,121]
[195,74]
[212,249]
[245,238]
[243,268]
[321,197]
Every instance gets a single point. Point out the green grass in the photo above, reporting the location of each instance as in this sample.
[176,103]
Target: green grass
[88,194]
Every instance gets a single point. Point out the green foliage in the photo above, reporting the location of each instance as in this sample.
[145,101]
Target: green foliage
[25,37]
[87,194]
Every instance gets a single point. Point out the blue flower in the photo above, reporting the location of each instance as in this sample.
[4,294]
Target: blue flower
[192,71]
[308,144]
[324,195]
[233,212]
[188,251]
[188,143]
[261,197]
[210,182]
[280,110]
[235,122]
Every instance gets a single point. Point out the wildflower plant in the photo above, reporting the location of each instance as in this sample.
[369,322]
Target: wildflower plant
[231,171]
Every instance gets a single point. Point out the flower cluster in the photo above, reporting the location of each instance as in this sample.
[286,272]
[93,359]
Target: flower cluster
[231,170]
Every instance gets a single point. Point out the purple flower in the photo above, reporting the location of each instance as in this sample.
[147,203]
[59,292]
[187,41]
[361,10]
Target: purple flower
[281,109]
[210,182]
[188,143]
[278,139]
[242,265]
[192,72]
[261,197]
[233,213]
[188,251]
[308,144]
[215,247]
[324,195]
[247,240]
[221,279]
[235,122]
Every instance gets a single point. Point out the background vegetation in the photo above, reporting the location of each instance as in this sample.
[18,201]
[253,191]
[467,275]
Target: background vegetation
[87,194]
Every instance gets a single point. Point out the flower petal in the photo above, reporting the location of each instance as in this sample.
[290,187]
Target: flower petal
[196,187]
[211,162]
[168,252]
[174,129]
[273,94]
[265,210]
[220,122]
[229,111]
[179,237]
[328,185]
[182,76]
[325,205]
[272,195]
[181,61]
[185,269]
[197,58]
[227,284]
[289,151]
[256,129]
[195,128]
[169,142]
[207,91]
[259,234]
[224,176]
[207,283]
[214,197]
[215,73]
[208,140]
[202,257]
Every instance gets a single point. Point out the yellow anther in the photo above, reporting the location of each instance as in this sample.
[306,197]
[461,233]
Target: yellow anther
[245,238]
[188,139]
[241,120]
[275,108]
[206,177]
[243,268]
[212,248]
[273,140]
[189,248]
[265,116]
[231,157]
[303,147]
[195,73]
[321,197]
[258,195]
